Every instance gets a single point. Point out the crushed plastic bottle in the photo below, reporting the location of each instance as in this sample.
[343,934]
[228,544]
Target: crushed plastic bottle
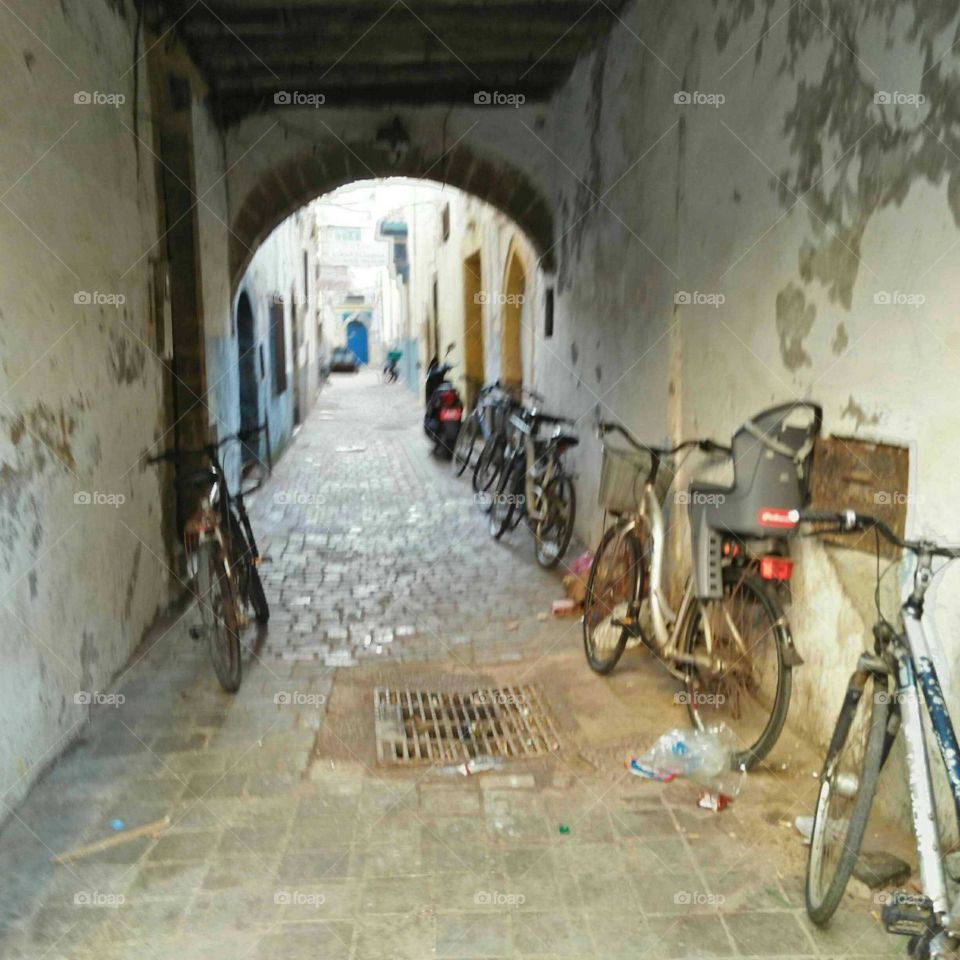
[703,756]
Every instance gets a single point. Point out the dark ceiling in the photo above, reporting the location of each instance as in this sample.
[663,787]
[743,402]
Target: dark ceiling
[372,52]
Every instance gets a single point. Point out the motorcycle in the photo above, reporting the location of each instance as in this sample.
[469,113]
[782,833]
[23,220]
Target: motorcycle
[444,410]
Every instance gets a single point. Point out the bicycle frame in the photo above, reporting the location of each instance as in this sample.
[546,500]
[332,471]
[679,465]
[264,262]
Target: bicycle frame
[530,488]
[916,673]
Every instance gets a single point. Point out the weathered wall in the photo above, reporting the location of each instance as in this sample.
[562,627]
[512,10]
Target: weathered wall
[81,555]
[793,240]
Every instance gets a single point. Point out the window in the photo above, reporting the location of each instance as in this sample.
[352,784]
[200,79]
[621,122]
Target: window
[278,333]
[445,222]
[548,314]
[306,278]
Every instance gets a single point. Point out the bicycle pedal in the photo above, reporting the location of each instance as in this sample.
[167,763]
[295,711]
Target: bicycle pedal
[908,914]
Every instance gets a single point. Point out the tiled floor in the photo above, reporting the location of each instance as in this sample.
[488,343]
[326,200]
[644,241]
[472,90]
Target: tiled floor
[285,840]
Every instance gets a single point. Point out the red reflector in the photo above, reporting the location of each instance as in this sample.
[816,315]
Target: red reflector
[774,517]
[776,568]
[450,413]
[448,398]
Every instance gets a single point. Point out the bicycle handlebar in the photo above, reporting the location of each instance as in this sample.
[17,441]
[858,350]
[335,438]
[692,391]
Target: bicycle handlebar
[707,446]
[173,456]
[849,521]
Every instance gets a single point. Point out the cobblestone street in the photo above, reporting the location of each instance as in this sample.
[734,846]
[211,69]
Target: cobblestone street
[276,834]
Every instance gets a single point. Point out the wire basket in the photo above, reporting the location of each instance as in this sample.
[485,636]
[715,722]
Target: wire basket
[624,476]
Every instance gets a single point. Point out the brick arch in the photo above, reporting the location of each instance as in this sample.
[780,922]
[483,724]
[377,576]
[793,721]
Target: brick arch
[288,186]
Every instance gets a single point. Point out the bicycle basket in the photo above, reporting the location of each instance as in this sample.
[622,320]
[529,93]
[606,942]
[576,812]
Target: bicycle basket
[623,476]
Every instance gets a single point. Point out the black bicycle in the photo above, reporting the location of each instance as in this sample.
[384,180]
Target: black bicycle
[223,559]
[478,427]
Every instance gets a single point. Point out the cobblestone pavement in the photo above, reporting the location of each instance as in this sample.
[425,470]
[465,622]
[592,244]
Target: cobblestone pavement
[286,840]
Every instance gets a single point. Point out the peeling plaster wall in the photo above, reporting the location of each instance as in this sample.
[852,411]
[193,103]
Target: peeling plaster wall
[809,231]
[81,568]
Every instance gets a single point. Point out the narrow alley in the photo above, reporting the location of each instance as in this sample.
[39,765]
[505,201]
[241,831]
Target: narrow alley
[667,669]
[279,833]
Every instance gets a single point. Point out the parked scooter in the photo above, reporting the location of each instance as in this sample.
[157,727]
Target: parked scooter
[444,412]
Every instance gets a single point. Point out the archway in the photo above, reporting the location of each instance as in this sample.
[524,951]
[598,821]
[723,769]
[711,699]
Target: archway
[249,385]
[280,187]
[514,294]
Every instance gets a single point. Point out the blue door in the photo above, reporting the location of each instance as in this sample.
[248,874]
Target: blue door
[357,340]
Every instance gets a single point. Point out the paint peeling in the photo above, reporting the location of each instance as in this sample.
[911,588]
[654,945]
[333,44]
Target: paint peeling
[795,318]
[859,415]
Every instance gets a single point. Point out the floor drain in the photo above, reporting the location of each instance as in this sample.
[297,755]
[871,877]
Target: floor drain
[424,726]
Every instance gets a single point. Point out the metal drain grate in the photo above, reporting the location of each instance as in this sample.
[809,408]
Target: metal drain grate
[423,726]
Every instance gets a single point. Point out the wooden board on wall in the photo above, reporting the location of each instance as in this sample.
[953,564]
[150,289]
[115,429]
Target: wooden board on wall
[856,474]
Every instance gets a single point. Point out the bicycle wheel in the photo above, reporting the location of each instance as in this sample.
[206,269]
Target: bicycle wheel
[242,562]
[612,584]
[504,504]
[747,686]
[466,440]
[554,529]
[486,473]
[847,785]
[218,610]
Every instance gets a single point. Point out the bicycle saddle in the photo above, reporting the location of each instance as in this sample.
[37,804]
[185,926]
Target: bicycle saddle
[770,480]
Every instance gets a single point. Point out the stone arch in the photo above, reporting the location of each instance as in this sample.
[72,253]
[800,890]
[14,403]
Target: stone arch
[289,185]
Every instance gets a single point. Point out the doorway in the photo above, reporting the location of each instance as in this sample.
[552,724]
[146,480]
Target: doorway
[511,355]
[296,338]
[473,362]
[357,340]
[249,381]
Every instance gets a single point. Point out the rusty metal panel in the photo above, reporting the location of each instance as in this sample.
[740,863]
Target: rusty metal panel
[867,477]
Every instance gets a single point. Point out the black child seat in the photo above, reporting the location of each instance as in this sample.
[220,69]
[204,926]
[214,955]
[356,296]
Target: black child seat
[771,462]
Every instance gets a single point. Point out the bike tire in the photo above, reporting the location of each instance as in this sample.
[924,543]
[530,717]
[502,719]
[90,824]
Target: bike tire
[466,441]
[772,612]
[503,505]
[486,472]
[594,597]
[823,894]
[218,610]
[560,488]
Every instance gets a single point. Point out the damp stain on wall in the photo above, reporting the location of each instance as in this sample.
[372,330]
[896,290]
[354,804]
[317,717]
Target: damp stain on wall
[795,319]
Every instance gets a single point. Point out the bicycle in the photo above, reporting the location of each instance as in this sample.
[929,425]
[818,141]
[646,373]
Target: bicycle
[728,642]
[870,719]
[477,427]
[222,556]
[534,485]
[493,455]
